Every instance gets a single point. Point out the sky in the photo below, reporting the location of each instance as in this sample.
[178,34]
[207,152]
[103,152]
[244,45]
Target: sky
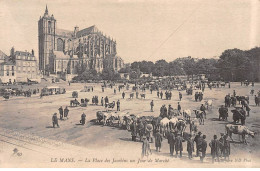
[144,29]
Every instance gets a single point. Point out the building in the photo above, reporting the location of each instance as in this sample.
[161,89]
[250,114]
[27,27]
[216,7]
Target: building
[26,65]
[61,51]
[19,67]
[7,72]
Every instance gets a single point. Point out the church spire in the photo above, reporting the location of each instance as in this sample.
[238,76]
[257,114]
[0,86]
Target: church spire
[46,10]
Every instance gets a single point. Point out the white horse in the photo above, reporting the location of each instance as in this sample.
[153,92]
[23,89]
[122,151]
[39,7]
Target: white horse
[164,123]
[209,103]
[187,114]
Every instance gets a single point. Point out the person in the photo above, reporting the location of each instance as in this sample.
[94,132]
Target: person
[158,141]
[178,145]
[103,89]
[118,105]
[203,109]
[221,141]
[190,147]
[256,101]
[226,147]
[170,111]
[161,94]
[137,94]
[66,112]
[114,91]
[203,148]
[180,96]
[151,90]
[55,120]
[229,84]
[214,145]
[196,96]
[83,119]
[198,140]
[92,89]
[106,101]
[234,93]
[61,112]
[102,101]
[158,94]
[123,94]
[171,141]
[179,107]
[146,150]
[247,108]
[152,104]
[133,131]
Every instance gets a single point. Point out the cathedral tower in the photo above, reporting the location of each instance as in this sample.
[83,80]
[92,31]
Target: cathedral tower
[46,36]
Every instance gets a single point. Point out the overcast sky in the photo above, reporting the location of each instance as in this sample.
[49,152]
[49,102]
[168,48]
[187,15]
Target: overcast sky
[143,29]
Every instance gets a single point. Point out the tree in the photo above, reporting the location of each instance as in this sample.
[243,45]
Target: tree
[109,74]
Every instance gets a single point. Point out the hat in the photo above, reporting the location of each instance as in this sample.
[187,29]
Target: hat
[221,134]
[199,133]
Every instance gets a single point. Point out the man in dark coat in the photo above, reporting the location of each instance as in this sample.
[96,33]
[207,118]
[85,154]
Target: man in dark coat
[134,131]
[226,147]
[83,119]
[180,96]
[214,145]
[256,101]
[61,112]
[190,147]
[178,145]
[203,148]
[203,109]
[198,140]
[102,101]
[221,141]
[158,141]
[171,141]
[179,107]
[161,94]
[247,109]
[123,95]
[55,120]
[118,105]
[66,112]
[152,105]
[158,94]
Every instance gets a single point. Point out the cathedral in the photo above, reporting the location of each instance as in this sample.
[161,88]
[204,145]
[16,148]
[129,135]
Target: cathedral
[63,51]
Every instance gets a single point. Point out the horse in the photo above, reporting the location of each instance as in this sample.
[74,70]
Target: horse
[240,130]
[173,123]
[156,123]
[111,105]
[74,102]
[200,115]
[142,96]
[194,125]
[208,103]
[164,124]
[103,116]
[131,95]
[187,114]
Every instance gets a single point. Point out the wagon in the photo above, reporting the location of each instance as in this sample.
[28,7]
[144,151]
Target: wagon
[87,89]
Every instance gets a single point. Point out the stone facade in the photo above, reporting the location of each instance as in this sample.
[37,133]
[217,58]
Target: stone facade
[61,51]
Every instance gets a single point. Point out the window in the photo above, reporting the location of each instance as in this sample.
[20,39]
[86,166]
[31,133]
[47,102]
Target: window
[13,73]
[60,45]
[7,72]
[49,26]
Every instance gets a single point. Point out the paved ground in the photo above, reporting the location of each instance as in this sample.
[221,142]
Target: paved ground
[25,124]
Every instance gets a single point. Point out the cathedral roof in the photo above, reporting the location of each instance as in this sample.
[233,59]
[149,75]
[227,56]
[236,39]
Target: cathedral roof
[64,33]
[87,31]
[2,55]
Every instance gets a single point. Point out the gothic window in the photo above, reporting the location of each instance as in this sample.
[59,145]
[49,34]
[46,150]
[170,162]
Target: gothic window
[60,45]
[116,63]
[49,26]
